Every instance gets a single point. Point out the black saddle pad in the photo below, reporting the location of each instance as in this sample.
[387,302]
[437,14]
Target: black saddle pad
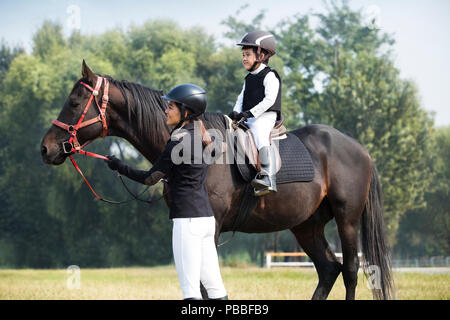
[296,163]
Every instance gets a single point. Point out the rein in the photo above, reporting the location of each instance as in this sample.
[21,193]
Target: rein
[72,146]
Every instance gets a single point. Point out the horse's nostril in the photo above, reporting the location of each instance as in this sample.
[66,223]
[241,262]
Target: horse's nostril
[44,150]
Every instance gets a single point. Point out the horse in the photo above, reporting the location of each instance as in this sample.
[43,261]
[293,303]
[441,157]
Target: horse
[345,186]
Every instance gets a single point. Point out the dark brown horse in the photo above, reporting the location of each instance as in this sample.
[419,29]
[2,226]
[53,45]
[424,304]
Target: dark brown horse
[345,186]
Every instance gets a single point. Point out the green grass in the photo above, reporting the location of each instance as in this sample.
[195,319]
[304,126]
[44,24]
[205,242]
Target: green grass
[241,283]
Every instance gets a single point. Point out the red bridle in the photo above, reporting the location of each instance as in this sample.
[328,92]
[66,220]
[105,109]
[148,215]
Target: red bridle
[72,146]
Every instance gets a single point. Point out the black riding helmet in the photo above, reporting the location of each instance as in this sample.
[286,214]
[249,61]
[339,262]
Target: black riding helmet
[188,96]
[261,40]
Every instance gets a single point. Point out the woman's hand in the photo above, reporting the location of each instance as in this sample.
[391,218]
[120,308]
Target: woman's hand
[113,163]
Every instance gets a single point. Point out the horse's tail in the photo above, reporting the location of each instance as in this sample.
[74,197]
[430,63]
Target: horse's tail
[377,264]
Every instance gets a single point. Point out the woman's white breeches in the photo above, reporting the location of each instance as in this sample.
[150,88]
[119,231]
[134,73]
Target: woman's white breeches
[195,256]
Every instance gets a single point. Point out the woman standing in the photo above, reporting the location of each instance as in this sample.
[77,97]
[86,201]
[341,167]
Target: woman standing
[194,224]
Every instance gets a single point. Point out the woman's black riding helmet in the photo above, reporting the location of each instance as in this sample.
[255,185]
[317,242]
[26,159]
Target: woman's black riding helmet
[188,96]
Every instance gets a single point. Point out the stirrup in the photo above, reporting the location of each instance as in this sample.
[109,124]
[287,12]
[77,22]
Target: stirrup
[261,183]
[263,192]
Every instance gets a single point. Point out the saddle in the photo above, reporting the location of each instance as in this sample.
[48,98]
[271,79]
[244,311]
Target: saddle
[246,147]
[294,163]
[297,163]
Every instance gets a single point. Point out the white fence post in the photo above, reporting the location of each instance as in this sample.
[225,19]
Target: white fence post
[270,263]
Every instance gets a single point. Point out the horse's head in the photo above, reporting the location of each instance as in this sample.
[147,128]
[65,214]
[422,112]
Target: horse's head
[80,120]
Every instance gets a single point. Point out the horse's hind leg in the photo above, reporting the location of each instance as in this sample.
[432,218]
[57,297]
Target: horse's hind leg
[310,235]
[347,212]
[349,241]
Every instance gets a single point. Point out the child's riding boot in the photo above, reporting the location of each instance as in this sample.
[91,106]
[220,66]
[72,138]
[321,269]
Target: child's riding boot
[265,181]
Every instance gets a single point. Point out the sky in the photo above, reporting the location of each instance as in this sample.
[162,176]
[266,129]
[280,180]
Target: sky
[421,28]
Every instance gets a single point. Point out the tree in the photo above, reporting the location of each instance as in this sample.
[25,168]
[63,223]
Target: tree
[338,73]
[223,79]
[48,218]
[48,39]
[342,74]
[7,55]
[426,231]
[237,28]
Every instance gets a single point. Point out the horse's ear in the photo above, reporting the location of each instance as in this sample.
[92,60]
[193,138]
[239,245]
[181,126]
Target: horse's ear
[87,73]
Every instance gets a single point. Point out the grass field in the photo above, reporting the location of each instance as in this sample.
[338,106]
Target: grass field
[162,283]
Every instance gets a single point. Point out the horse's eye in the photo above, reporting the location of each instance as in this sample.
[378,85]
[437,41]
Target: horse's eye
[73,104]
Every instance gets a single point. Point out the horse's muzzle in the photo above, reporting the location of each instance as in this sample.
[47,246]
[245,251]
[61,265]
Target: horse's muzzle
[52,154]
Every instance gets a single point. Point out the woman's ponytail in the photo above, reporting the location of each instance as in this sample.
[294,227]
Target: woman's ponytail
[206,138]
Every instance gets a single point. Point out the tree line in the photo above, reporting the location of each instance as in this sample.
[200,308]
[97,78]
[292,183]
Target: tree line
[339,72]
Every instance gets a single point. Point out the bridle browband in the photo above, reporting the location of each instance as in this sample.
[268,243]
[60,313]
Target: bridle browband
[72,146]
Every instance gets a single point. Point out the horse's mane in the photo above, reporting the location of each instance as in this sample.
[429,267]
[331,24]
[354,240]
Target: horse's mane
[148,110]
[215,120]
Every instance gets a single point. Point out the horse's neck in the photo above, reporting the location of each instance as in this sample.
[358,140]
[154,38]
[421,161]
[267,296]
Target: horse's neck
[150,151]
[121,127]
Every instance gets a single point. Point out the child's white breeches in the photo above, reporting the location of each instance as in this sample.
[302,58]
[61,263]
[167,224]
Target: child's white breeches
[261,127]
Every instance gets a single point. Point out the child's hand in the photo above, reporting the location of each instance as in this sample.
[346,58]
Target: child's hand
[234,115]
[245,115]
